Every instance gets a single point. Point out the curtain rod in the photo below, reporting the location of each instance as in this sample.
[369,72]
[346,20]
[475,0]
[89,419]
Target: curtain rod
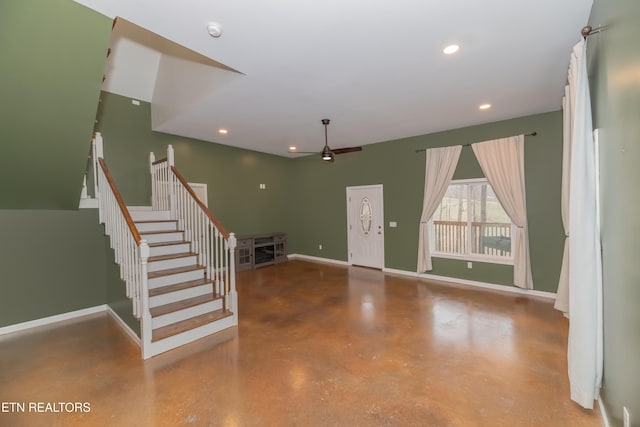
[589,31]
[469,145]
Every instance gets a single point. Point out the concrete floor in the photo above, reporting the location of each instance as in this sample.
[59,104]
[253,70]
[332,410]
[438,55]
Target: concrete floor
[317,345]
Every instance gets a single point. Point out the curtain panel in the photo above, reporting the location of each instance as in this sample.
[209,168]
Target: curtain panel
[585,314]
[502,161]
[568,103]
[439,168]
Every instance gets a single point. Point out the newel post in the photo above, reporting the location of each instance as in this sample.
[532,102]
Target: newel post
[172,184]
[170,156]
[145,319]
[96,147]
[152,159]
[233,294]
[98,144]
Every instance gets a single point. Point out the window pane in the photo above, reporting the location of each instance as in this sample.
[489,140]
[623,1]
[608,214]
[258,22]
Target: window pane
[450,221]
[490,226]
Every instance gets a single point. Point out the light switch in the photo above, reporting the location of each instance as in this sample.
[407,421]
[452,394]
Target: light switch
[393,224]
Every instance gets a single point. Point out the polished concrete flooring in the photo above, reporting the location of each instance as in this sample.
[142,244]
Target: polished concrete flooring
[317,345]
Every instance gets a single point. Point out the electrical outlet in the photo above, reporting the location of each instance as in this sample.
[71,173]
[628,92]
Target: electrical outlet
[320,247]
[469,264]
[626,417]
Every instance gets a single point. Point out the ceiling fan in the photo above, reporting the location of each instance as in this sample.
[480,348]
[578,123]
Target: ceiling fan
[327,153]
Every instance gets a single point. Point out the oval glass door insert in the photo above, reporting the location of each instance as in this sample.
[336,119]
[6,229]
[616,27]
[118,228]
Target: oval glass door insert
[365,215]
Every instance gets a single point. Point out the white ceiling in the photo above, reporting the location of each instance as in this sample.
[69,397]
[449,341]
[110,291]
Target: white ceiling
[374,67]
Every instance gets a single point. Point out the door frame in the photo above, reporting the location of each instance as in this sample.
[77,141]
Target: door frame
[350,244]
[200,187]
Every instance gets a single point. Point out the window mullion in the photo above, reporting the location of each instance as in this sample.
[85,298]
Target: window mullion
[468,248]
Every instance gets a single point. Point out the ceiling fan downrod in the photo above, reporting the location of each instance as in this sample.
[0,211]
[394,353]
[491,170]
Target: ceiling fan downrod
[327,154]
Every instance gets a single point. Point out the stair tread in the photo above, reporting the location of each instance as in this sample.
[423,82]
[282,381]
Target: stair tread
[176,270]
[182,304]
[192,323]
[171,256]
[147,221]
[160,232]
[171,243]
[178,286]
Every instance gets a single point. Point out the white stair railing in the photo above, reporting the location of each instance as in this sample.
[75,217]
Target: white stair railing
[131,252]
[214,245]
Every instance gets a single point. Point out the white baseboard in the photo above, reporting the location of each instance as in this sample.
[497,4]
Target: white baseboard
[603,413]
[504,288]
[51,319]
[317,259]
[493,286]
[139,208]
[126,328]
[18,327]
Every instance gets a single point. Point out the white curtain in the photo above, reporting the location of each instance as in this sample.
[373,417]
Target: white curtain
[568,103]
[502,161]
[585,263]
[440,165]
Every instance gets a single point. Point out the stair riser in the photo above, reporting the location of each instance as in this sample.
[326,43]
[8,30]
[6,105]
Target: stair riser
[162,237]
[189,336]
[180,295]
[156,226]
[172,263]
[186,313]
[170,249]
[148,215]
[172,279]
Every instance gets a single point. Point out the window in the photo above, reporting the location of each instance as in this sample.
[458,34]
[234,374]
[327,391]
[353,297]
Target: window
[470,223]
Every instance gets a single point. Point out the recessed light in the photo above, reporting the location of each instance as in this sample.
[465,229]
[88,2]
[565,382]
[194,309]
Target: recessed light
[292,148]
[223,131]
[451,49]
[484,106]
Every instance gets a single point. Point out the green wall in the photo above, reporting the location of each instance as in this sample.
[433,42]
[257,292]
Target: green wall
[232,175]
[614,61]
[319,214]
[53,55]
[53,262]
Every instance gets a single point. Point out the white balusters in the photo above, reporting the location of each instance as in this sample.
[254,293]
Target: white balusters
[130,251]
[171,192]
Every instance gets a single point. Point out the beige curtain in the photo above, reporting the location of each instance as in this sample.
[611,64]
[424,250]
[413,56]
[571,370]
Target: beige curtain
[568,103]
[440,165]
[502,162]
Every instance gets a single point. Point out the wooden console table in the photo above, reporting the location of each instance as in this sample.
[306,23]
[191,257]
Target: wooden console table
[260,249]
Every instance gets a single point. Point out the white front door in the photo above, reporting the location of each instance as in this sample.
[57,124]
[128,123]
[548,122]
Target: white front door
[365,226]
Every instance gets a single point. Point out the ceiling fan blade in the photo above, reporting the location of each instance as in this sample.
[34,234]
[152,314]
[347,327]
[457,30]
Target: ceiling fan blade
[346,150]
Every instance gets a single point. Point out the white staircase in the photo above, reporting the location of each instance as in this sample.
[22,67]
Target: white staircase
[175,257]
[182,302]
